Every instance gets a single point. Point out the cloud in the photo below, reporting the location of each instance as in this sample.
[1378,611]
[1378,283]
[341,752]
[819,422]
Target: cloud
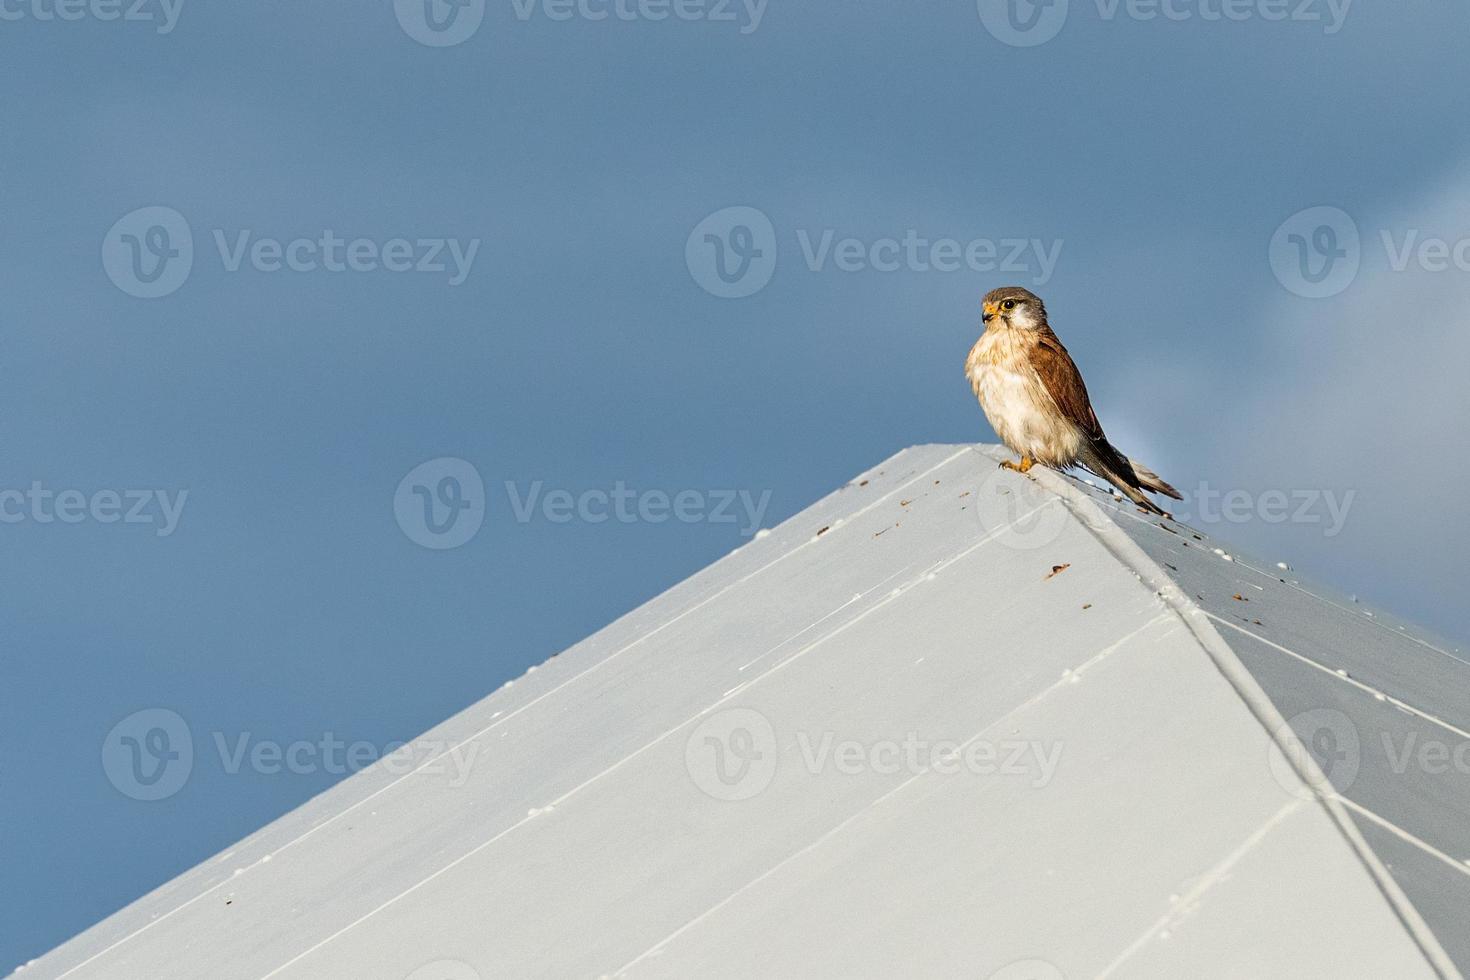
[1367,391]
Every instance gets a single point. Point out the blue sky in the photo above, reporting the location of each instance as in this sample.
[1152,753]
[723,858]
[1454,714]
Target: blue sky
[1151,160]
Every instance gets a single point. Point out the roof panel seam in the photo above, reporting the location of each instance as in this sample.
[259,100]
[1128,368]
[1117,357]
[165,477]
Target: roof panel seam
[920,578]
[506,718]
[1214,876]
[1298,587]
[1131,555]
[1405,835]
[1347,679]
[1003,720]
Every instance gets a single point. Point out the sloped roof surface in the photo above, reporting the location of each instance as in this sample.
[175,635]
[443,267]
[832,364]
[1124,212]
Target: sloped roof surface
[947,721]
[1383,707]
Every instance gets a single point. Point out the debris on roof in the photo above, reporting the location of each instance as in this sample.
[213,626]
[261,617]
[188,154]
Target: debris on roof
[928,753]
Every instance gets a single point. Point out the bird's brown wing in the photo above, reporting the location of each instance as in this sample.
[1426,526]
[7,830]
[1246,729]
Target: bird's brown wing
[1062,380]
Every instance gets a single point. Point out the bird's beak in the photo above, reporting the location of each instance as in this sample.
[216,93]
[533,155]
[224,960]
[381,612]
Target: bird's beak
[990,311]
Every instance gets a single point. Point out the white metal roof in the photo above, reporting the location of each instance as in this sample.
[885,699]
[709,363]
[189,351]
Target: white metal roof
[948,721]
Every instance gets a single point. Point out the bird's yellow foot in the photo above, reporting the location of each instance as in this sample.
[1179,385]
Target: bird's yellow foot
[1022,467]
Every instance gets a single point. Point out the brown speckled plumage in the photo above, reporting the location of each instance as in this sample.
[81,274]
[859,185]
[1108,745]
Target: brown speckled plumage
[1036,401]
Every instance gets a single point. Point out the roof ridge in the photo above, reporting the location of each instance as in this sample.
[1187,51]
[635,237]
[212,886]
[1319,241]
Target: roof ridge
[1112,538]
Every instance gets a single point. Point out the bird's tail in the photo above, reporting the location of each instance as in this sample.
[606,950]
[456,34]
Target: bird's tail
[1149,480]
[1129,477]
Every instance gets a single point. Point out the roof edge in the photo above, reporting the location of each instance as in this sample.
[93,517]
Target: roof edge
[1133,557]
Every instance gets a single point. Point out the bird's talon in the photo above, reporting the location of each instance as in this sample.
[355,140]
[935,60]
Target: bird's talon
[1022,467]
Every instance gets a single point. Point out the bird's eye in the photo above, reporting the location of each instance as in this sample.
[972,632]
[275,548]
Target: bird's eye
[1009,304]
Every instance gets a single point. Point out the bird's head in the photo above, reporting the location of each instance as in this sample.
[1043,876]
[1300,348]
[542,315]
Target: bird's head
[1014,307]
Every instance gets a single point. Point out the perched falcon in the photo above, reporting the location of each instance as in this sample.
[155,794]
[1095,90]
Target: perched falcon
[1035,400]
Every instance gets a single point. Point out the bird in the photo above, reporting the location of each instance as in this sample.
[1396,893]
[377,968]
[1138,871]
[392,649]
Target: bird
[1034,397]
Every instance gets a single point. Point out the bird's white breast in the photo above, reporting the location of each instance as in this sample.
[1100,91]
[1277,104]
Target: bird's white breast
[1019,408]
